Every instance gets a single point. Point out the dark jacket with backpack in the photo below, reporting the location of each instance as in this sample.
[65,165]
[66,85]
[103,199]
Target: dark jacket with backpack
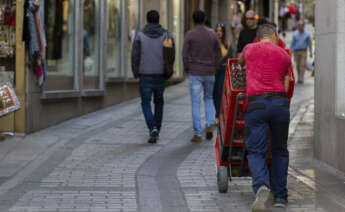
[147,51]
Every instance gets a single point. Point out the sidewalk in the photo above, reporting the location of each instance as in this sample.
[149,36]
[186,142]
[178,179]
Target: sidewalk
[312,186]
[101,162]
[88,163]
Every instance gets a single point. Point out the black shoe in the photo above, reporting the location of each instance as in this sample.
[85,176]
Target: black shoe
[154,136]
[280,202]
[209,133]
[155,133]
[152,140]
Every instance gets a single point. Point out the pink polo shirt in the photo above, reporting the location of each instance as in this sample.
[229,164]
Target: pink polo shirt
[267,65]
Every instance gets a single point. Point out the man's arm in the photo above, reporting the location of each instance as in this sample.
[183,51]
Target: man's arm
[241,59]
[135,56]
[185,53]
[287,82]
[218,51]
[173,46]
[310,47]
[288,74]
[240,44]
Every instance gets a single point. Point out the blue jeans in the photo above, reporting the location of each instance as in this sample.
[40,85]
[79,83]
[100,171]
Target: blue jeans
[260,117]
[152,86]
[218,88]
[197,84]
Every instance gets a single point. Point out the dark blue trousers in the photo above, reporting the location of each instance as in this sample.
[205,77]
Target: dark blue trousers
[152,86]
[261,116]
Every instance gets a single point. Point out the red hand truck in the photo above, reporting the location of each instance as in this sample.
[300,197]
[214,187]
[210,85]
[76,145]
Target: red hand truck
[229,145]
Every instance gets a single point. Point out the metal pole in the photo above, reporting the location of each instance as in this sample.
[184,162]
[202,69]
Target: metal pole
[276,11]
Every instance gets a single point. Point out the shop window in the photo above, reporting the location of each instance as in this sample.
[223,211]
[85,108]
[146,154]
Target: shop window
[114,39]
[340,64]
[91,47]
[133,26]
[60,30]
[7,41]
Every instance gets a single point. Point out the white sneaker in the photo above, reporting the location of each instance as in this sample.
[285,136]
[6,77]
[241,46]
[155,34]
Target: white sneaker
[261,198]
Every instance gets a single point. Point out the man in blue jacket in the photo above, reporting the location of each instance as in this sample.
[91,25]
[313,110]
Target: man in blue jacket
[300,43]
[148,66]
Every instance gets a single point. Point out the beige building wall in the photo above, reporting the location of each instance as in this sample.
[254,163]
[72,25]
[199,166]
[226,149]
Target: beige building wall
[329,140]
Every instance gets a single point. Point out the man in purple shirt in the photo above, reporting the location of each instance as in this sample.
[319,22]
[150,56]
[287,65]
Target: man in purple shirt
[201,58]
[300,42]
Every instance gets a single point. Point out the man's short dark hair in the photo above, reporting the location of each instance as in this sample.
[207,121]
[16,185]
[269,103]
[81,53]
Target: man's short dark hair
[265,31]
[152,17]
[199,17]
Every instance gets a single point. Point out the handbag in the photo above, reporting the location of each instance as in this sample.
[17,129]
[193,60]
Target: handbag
[168,56]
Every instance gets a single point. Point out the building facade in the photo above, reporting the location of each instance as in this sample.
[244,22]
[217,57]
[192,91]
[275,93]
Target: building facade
[329,140]
[88,56]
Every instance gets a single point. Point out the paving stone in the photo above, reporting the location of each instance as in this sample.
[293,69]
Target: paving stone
[98,173]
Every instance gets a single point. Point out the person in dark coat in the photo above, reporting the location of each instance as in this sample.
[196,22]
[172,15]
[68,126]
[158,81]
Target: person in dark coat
[248,33]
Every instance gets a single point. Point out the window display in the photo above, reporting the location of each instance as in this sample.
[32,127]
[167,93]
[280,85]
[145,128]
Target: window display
[60,31]
[91,47]
[64,34]
[113,39]
[133,26]
[7,40]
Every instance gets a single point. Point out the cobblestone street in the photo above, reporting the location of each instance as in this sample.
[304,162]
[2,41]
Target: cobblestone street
[101,162]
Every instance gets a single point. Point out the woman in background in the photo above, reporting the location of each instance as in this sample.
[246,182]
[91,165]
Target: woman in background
[220,74]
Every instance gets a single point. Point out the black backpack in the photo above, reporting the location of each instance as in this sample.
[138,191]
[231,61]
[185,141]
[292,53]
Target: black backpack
[168,56]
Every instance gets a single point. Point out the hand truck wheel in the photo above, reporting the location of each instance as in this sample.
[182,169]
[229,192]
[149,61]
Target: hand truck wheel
[222,179]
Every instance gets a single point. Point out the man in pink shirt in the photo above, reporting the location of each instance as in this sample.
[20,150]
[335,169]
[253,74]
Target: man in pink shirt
[268,109]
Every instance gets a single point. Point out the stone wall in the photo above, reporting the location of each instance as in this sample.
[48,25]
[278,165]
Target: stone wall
[329,140]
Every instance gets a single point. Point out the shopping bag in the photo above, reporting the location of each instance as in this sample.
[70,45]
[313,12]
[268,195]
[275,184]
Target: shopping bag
[8,100]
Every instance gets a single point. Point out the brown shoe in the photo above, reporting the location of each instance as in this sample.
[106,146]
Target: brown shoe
[209,133]
[196,139]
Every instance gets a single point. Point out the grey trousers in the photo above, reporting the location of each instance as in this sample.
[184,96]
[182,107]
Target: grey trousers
[301,63]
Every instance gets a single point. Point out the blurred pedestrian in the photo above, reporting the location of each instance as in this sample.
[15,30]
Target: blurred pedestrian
[248,33]
[148,66]
[220,74]
[301,41]
[268,110]
[201,57]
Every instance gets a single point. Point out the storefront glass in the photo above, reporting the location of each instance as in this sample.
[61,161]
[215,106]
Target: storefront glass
[133,26]
[60,30]
[91,47]
[114,39]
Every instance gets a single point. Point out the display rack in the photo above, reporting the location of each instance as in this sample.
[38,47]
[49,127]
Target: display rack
[7,40]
